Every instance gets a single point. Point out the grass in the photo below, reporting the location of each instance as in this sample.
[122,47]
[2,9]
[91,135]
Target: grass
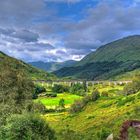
[96,116]
[52,102]
[103,117]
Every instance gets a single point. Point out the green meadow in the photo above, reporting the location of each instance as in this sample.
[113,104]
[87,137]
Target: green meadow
[52,102]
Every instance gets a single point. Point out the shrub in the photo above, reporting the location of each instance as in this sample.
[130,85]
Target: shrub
[95,95]
[132,88]
[38,90]
[60,88]
[90,84]
[85,86]
[36,107]
[62,103]
[104,94]
[51,95]
[27,127]
[77,106]
[78,89]
[15,88]
[86,99]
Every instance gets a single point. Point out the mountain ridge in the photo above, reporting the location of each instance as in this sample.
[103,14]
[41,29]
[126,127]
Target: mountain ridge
[52,66]
[108,61]
[116,53]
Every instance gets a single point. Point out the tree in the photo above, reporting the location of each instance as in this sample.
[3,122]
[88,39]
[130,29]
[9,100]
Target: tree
[132,88]
[95,95]
[38,90]
[60,88]
[15,88]
[78,89]
[85,86]
[62,103]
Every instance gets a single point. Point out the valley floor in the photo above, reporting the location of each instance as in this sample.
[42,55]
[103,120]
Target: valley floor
[98,119]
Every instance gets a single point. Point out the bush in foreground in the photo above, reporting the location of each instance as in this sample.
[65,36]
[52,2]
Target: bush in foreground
[27,127]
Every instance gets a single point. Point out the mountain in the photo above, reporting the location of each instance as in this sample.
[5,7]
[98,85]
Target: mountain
[53,66]
[7,62]
[121,50]
[108,61]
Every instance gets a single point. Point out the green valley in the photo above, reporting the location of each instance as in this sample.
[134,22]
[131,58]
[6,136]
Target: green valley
[69,69]
[90,102]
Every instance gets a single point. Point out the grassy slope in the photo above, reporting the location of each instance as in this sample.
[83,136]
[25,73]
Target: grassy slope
[32,72]
[103,116]
[121,50]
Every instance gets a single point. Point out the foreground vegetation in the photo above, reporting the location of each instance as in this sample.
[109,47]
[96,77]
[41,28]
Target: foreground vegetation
[19,117]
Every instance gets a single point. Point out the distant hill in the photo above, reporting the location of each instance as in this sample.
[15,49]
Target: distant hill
[52,66]
[7,62]
[108,61]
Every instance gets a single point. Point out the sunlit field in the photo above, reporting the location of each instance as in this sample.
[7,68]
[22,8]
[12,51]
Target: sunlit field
[52,102]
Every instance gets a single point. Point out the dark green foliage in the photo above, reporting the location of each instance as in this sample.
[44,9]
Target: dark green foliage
[60,88]
[78,89]
[34,96]
[104,94]
[103,134]
[15,88]
[132,135]
[125,100]
[38,90]
[99,70]
[68,134]
[85,86]
[36,108]
[51,94]
[132,88]
[27,127]
[78,105]
[62,103]
[95,95]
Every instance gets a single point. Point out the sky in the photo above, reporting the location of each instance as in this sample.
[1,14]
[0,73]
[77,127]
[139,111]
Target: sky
[60,30]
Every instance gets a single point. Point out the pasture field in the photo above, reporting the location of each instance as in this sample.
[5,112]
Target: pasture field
[51,102]
[97,119]
[102,117]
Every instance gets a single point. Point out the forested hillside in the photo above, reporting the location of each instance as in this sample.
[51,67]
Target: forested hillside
[107,62]
[33,73]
